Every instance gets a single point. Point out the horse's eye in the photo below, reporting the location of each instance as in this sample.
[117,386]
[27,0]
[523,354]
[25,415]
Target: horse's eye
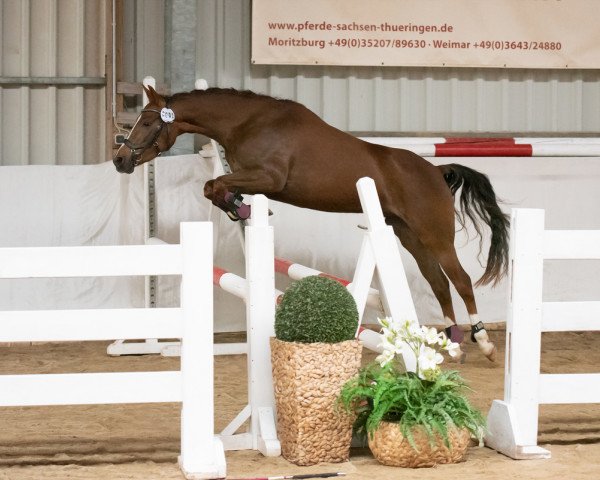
[147,124]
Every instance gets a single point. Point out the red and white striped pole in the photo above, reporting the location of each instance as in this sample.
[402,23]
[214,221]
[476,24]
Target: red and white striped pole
[297,272]
[494,147]
[236,285]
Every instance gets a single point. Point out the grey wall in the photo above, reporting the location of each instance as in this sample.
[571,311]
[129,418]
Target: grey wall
[55,125]
[371,99]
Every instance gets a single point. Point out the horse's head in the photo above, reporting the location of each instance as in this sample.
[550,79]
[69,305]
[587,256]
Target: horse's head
[154,132]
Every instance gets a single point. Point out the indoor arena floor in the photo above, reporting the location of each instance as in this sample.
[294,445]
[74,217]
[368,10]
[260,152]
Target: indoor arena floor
[142,441]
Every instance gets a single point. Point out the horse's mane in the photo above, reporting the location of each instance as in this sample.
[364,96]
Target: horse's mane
[230,92]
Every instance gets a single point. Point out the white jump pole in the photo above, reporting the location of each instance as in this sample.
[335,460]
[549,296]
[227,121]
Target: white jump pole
[380,250]
[260,325]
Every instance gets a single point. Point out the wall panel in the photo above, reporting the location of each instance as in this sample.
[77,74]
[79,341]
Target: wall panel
[49,123]
[64,124]
[397,99]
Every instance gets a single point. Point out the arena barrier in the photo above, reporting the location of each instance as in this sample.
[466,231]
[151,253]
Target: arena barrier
[513,422]
[202,454]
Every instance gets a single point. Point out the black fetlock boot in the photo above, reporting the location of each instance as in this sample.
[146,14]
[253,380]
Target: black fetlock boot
[236,208]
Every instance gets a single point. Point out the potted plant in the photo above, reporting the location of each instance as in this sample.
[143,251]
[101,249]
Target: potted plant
[313,355]
[412,419]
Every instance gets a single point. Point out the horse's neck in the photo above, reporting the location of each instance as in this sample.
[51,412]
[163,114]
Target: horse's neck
[216,116]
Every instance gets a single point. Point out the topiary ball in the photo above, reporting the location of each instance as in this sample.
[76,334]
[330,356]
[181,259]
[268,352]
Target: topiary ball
[316,309]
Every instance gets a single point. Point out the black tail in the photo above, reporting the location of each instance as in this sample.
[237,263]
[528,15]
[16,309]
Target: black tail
[477,199]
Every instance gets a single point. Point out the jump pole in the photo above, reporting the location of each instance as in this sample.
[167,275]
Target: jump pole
[494,146]
[297,271]
[234,284]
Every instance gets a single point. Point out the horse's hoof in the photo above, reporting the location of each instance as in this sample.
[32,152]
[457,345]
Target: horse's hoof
[492,355]
[236,208]
[486,347]
[460,358]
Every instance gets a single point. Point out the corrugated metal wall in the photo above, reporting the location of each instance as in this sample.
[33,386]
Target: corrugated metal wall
[370,99]
[51,124]
[65,125]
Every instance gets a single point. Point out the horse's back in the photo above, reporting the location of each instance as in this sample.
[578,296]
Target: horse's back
[322,164]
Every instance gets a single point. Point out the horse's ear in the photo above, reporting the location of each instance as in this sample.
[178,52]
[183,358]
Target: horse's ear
[153,96]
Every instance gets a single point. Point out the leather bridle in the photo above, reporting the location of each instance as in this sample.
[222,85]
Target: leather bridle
[139,149]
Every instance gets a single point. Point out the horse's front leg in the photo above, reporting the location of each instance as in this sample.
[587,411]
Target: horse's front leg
[227,201]
[226,191]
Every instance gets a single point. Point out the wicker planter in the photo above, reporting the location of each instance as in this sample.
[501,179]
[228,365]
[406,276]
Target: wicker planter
[308,378]
[391,448]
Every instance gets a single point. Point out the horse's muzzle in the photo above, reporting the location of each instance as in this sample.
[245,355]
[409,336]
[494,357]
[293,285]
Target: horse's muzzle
[124,164]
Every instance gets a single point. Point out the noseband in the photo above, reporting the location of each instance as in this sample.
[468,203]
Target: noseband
[138,150]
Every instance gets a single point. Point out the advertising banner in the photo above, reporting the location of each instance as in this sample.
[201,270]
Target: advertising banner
[450,33]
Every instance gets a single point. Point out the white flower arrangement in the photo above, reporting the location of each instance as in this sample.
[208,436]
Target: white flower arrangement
[425,343]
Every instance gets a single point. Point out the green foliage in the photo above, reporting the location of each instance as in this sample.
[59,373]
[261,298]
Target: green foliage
[316,309]
[386,394]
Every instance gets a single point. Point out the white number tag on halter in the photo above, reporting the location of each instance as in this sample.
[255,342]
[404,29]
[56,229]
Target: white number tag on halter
[167,115]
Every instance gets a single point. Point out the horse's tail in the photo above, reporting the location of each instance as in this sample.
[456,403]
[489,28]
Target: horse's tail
[477,199]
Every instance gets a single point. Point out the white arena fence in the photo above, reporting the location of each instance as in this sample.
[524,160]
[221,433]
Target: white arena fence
[513,422]
[202,454]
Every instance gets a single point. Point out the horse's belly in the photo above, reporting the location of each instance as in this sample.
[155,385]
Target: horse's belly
[326,198]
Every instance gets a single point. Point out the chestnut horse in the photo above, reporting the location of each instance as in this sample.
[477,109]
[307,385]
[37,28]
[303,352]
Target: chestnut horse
[283,150]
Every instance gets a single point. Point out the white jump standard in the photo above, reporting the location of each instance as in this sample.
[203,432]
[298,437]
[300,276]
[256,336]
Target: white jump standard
[259,294]
[513,422]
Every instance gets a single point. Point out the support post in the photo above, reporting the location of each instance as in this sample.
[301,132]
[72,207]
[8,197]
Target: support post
[380,250]
[202,454]
[260,317]
[513,422]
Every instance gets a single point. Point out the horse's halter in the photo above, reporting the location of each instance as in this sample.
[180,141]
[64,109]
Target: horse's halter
[166,116]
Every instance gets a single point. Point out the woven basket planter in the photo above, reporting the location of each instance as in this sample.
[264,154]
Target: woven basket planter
[391,448]
[308,378]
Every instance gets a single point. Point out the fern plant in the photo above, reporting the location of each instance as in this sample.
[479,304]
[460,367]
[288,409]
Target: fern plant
[429,397]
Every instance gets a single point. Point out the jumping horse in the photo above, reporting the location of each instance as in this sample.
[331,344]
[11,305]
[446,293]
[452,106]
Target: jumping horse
[281,149]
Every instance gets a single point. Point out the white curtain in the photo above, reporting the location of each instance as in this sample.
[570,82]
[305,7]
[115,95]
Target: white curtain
[94,205]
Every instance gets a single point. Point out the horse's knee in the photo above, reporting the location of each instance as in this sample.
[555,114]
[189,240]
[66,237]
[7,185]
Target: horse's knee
[209,189]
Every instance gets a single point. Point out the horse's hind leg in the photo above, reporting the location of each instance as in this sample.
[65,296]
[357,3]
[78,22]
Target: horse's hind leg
[446,256]
[430,269]
[434,225]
